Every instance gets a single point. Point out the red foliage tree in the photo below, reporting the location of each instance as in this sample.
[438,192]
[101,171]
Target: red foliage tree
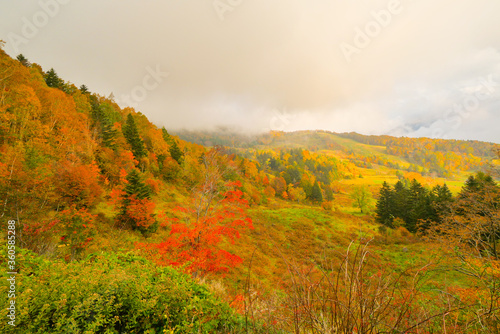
[79,184]
[140,211]
[217,213]
[194,241]
[78,230]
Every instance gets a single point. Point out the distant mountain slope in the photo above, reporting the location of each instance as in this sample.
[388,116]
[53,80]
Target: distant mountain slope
[438,157]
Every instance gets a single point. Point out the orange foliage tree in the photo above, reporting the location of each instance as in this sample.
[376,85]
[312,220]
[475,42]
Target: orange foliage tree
[79,184]
[140,211]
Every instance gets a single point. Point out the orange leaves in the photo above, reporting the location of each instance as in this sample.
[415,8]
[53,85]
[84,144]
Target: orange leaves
[4,172]
[153,184]
[238,303]
[269,192]
[233,184]
[279,185]
[78,184]
[116,165]
[141,212]
[467,295]
[250,168]
[327,205]
[126,160]
[123,176]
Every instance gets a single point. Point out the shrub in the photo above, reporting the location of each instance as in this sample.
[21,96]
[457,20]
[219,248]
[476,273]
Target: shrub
[112,294]
[327,205]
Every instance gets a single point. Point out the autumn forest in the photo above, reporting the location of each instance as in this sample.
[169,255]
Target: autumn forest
[125,226]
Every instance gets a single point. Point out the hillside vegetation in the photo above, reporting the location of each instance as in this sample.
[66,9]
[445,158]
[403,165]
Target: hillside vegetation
[122,226]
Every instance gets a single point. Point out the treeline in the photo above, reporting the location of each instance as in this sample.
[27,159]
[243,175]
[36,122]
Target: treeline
[298,174]
[419,209]
[475,147]
[222,137]
[368,161]
[432,156]
[439,157]
[364,139]
[408,202]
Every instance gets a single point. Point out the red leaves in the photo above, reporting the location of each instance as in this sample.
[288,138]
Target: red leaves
[77,225]
[196,242]
[235,196]
[238,303]
[116,195]
[180,209]
[33,230]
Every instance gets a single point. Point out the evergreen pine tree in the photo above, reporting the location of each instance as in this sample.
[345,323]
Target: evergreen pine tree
[440,197]
[138,190]
[109,134]
[316,194]
[96,110]
[400,201]
[329,193]
[53,80]
[133,138]
[477,183]
[84,89]
[166,135]
[136,187]
[23,60]
[418,205]
[174,150]
[385,206]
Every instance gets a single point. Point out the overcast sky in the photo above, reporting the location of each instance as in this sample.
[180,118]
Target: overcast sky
[409,67]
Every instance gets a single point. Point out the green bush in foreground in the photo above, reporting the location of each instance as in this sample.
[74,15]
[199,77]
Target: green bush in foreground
[111,293]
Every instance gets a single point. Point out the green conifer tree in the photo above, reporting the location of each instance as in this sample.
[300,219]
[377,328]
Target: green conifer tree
[316,195]
[385,206]
[133,138]
[400,201]
[84,89]
[23,60]
[418,205]
[174,150]
[136,187]
[166,135]
[440,197]
[53,80]
[109,134]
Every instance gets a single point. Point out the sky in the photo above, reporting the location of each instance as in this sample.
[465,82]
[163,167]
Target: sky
[397,67]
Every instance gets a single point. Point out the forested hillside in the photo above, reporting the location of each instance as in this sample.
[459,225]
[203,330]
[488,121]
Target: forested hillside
[123,227]
[437,157]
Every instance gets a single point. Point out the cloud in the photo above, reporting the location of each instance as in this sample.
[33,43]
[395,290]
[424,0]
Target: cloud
[268,55]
